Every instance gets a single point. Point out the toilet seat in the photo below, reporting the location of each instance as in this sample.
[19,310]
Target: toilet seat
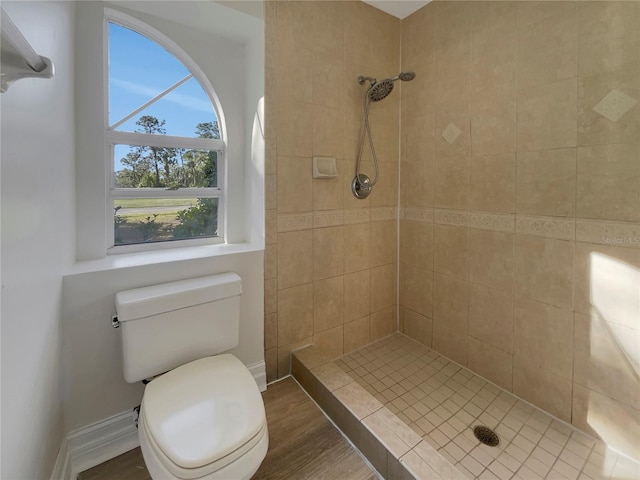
[203,417]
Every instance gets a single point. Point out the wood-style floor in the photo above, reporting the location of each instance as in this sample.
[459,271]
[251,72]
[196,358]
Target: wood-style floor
[303,445]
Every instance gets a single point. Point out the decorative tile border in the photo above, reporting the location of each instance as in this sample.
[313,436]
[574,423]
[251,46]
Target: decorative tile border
[384,213]
[619,234]
[496,222]
[357,215]
[328,218]
[295,221]
[451,217]
[422,215]
[547,227]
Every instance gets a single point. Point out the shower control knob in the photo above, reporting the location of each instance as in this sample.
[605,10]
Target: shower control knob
[361,186]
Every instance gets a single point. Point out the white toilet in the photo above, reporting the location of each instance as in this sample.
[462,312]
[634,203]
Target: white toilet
[204,418]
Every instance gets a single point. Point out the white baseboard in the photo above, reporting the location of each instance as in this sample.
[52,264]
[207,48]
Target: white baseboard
[259,372]
[94,444]
[101,441]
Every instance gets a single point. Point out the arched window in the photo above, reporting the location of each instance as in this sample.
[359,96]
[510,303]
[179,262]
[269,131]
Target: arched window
[165,141]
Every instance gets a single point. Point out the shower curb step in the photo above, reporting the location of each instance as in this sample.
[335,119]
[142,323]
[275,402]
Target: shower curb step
[389,444]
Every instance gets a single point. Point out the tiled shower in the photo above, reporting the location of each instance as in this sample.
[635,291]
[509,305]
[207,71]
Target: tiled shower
[505,230]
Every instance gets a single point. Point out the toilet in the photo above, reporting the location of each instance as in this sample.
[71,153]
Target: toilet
[202,416]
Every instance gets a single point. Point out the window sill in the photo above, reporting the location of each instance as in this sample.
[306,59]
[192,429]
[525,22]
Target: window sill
[140,259]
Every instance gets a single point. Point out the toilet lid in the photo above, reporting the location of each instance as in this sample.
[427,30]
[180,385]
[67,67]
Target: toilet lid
[203,410]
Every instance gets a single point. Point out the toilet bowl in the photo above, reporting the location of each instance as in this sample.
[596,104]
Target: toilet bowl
[203,420]
[202,416]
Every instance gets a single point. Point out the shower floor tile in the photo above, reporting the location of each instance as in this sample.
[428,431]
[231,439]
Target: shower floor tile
[442,402]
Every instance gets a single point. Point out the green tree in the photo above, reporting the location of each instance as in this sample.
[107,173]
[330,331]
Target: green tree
[201,220]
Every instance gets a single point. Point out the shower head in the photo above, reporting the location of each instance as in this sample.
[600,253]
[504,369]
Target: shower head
[405,76]
[380,90]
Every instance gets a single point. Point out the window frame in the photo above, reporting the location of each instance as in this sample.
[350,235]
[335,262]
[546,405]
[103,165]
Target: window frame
[114,137]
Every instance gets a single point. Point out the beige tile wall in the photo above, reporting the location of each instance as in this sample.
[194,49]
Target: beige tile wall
[519,231]
[330,260]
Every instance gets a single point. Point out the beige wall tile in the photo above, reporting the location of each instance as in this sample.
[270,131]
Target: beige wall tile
[329,20]
[542,388]
[453,135]
[294,25]
[609,182]
[270,330]
[601,361]
[492,183]
[294,177]
[544,270]
[384,241]
[543,337]
[491,259]
[295,261]
[328,297]
[271,261]
[295,129]
[491,316]
[328,131]
[417,184]
[270,192]
[418,135]
[450,343]
[453,51]
[595,128]
[385,192]
[451,304]
[546,182]
[295,314]
[383,323]
[383,287]
[328,81]
[357,247]
[547,50]
[601,47]
[493,89]
[271,226]
[284,355]
[416,244]
[329,342]
[451,250]
[492,363]
[602,417]
[533,12]
[328,252]
[607,279]
[294,82]
[270,156]
[547,116]
[327,192]
[356,294]
[271,364]
[356,334]
[270,296]
[452,182]
[416,288]
[417,326]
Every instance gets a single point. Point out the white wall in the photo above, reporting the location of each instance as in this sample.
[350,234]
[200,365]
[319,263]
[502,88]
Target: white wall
[37,198]
[93,384]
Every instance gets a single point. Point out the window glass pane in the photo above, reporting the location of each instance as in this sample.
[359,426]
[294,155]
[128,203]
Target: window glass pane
[147,220]
[140,69]
[158,167]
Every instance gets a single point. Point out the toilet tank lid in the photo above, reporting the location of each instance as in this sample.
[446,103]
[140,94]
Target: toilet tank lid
[166,297]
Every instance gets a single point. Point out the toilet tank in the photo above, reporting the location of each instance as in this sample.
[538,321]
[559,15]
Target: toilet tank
[167,325]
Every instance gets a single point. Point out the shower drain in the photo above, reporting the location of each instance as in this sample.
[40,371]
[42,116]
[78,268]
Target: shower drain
[486,435]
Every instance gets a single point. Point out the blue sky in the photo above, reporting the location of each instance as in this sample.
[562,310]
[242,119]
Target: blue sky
[139,69]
